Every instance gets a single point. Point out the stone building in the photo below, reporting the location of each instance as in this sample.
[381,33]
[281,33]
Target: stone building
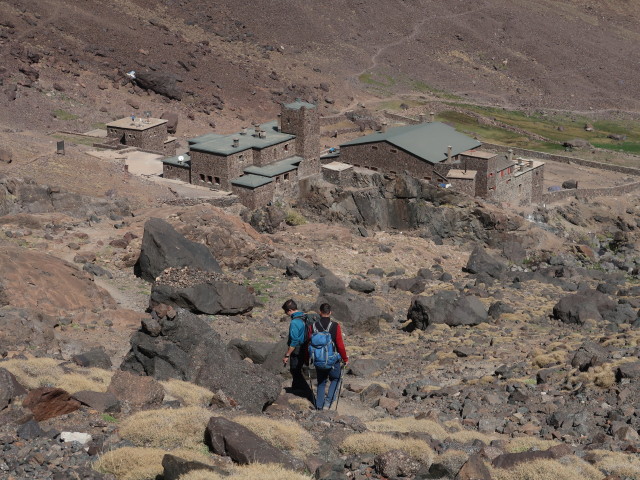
[437,153]
[148,134]
[259,165]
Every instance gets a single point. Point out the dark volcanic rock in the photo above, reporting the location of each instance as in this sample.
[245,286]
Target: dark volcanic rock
[225,437]
[448,308]
[163,247]
[188,349]
[354,311]
[583,306]
[481,262]
[414,285]
[97,358]
[396,463]
[588,355]
[628,370]
[509,460]
[9,388]
[361,285]
[330,283]
[136,390]
[101,401]
[215,297]
[172,121]
[163,83]
[174,467]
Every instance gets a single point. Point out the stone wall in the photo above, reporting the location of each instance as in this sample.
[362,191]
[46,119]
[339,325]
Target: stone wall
[337,177]
[305,125]
[274,153]
[521,152]
[589,193]
[150,139]
[176,173]
[254,197]
[386,158]
[286,186]
[217,171]
[464,185]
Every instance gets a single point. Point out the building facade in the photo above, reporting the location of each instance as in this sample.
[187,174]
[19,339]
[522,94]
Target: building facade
[261,164]
[146,134]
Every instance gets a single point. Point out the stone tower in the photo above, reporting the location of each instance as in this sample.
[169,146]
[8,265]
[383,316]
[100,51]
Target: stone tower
[301,119]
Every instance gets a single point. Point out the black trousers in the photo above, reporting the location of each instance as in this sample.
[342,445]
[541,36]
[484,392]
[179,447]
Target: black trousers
[299,385]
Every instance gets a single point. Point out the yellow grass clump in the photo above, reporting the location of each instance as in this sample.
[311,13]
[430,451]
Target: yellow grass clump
[617,463]
[188,394]
[453,459]
[408,425]
[249,472]
[47,372]
[167,428]
[377,443]
[550,359]
[524,444]
[284,434]
[542,470]
[134,463]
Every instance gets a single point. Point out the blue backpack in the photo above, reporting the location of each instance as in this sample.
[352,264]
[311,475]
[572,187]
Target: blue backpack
[322,351]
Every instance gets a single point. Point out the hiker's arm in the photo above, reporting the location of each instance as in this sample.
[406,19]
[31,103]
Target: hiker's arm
[288,354]
[340,345]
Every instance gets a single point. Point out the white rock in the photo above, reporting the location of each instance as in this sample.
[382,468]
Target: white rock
[81,438]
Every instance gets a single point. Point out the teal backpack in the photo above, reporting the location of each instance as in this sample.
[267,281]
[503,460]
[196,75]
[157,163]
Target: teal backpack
[322,351]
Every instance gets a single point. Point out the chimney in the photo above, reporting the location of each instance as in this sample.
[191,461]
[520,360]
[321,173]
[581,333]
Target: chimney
[510,155]
[422,117]
[236,142]
[383,127]
[262,133]
[449,148]
[257,131]
[279,124]
[243,131]
[432,116]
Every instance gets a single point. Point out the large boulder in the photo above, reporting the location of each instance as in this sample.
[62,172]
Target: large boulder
[187,348]
[356,312]
[21,327]
[584,306]
[10,388]
[228,438]
[163,83]
[588,355]
[481,262]
[202,292]
[136,390]
[175,467]
[163,247]
[172,121]
[448,308]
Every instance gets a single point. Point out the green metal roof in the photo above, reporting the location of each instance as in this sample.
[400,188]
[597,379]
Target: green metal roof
[428,141]
[251,181]
[223,144]
[174,160]
[298,104]
[275,169]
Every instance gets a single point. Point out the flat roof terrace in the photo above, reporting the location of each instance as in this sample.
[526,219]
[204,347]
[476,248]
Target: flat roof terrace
[137,124]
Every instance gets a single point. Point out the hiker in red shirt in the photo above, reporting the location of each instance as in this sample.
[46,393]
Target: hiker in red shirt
[327,368]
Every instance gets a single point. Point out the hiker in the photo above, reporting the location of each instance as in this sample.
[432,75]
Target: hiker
[330,366]
[296,353]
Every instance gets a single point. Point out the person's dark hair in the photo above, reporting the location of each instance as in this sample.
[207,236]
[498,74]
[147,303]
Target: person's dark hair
[325,308]
[289,305]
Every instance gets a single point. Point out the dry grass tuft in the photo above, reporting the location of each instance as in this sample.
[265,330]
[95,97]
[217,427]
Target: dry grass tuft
[188,394]
[47,372]
[377,443]
[453,459]
[249,472]
[284,434]
[164,428]
[133,463]
[601,376]
[544,469]
[408,425]
[617,463]
[524,444]
[549,359]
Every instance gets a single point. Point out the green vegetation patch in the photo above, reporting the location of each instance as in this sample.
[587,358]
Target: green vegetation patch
[61,114]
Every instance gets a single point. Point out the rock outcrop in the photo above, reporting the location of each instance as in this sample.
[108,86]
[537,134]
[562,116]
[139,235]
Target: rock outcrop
[186,347]
[446,307]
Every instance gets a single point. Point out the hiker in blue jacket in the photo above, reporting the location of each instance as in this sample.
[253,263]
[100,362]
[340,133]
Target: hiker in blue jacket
[296,353]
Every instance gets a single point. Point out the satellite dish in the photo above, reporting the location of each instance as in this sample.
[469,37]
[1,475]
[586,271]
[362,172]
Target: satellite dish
[180,159]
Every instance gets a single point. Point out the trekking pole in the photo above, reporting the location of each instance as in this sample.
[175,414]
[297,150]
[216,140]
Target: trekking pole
[342,369]
[313,396]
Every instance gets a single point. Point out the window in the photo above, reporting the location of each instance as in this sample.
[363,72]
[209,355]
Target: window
[502,173]
[286,177]
[393,150]
[374,147]
[216,180]
[241,157]
[286,147]
[427,178]
[202,177]
[209,179]
[490,175]
[277,179]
